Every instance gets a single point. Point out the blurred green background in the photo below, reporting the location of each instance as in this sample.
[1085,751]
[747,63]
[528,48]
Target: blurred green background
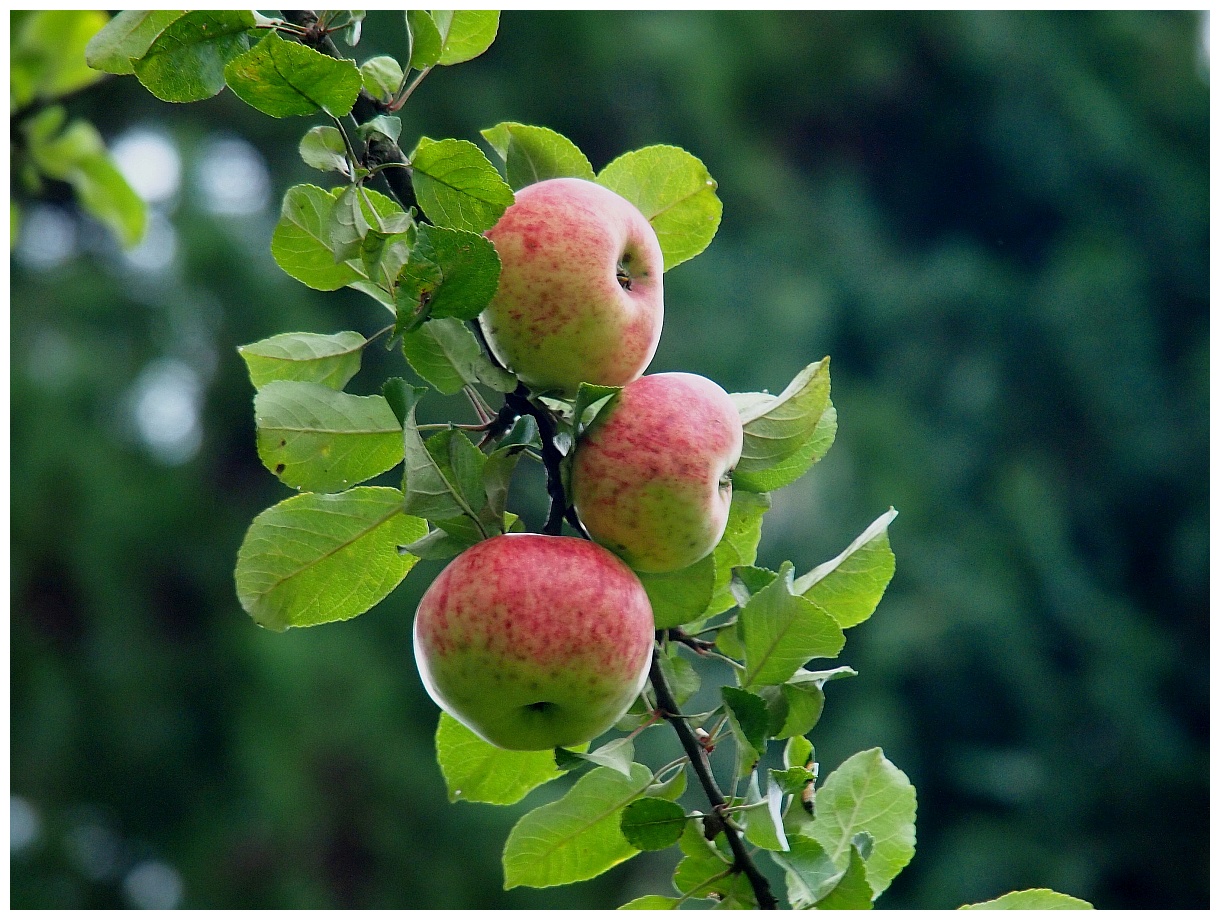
[998,227]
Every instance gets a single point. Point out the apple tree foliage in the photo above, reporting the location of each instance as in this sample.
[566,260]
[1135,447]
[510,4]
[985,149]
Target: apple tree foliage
[401,219]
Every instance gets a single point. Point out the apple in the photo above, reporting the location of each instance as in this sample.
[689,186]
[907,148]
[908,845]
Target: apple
[650,478]
[534,641]
[580,293]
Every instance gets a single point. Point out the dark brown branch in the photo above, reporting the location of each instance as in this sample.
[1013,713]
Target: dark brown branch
[519,401]
[703,771]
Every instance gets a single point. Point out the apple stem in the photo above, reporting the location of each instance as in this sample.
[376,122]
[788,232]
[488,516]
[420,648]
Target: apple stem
[698,759]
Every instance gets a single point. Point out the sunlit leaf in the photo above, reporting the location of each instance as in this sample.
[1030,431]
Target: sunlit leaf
[186,61]
[446,353]
[673,189]
[465,34]
[457,186]
[315,559]
[331,360]
[126,38]
[301,243]
[320,440]
[777,427]
[532,154]
[1032,899]
[781,631]
[577,837]
[850,586]
[738,545]
[852,891]
[282,78]
[476,771]
[683,596]
[322,148]
[867,793]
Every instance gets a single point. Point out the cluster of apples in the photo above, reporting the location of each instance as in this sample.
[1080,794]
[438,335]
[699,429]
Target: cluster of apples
[536,641]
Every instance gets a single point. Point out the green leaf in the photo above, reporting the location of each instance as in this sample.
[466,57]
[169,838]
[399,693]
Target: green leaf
[704,873]
[680,597]
[461,463]
[617,755]
[804,699]
[187,61]
[792,780]
[436,488]
[867,793]
[382,76]
[329,360]
[347,226]
[446,540]
[126,38]
[673,189]
[671,788]
[465,34]
[282,78]
[425,39]
[319,440]
[476,771]
[776,427]
[322,558]
[47,49]
[1031,899]
[532,154]
[302,246]
[809,872]
[449,273]
[104,193]
[457,186]
[788,471]
[798,751]
[497,477]
[653,824]
[77,155]
[852,892]
[651,902]
[351,32]
[738,546]
[576,837]
[850,586]
[748,580]
[592,399]
[322,148]
[781,631]
[747,714]
[446,353]
[680,674]
[390,126]
[301,242]
[764,824]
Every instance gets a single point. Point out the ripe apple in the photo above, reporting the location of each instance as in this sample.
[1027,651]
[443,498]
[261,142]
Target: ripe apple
[534,641]
[650,478]
[580,294]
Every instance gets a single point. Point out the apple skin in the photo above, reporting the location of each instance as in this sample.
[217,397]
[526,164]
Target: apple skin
[650,477]
[562,312]
[535,641]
